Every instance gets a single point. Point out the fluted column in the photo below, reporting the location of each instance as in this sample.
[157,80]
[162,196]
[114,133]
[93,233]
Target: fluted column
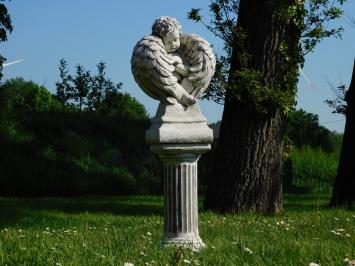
[179,135]
[180,201]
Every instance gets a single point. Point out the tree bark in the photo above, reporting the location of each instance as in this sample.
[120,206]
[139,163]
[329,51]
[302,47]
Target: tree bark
[247,171]
[344,185]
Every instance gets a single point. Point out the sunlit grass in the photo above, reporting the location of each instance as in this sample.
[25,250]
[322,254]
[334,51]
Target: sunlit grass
[314,168]
[118,230]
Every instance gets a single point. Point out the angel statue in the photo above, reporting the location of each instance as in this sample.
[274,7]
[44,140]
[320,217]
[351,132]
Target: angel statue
[172,66]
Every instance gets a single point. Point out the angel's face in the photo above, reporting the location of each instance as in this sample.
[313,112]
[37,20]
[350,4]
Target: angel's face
[171,41]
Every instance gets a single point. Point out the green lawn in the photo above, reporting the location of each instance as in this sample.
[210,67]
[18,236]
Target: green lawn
[117,230]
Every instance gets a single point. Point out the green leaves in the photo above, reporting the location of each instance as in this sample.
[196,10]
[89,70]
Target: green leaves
[194,14]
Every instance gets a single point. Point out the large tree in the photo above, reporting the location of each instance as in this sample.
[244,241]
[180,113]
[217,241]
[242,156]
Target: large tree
[263,54]
[344,186]
[5,28]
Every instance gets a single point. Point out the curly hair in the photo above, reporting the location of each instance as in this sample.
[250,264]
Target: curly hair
[164,25]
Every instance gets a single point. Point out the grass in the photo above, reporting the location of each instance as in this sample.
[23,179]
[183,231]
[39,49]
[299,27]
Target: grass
[314,168]
[116,230]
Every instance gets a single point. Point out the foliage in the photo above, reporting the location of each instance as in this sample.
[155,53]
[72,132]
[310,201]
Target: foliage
[311,18]
[19,97]
[122,105]
[87,91]
[5,28]
[338,104]
[118,230]
[49,148]
[303,129]
[314,169]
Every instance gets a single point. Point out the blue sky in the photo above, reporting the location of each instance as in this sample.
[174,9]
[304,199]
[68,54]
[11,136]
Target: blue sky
[88,31]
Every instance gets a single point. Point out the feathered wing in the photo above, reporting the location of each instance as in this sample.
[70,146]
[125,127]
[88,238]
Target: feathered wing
[152,68]
[198,53]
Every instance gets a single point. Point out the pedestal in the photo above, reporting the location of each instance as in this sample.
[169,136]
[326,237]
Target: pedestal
[179,135]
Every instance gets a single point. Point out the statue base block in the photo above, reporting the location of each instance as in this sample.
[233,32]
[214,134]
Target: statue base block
[179,135]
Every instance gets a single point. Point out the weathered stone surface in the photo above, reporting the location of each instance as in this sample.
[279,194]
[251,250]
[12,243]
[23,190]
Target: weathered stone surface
[176,68]
[172,66]
[178,124]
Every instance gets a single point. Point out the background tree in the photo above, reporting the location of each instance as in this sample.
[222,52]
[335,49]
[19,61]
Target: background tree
[344,185]
[5,28]
[263,48]
[82,86]
[303,129]
[64,88]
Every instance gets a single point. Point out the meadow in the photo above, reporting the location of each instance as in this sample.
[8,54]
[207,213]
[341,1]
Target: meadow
[127,229]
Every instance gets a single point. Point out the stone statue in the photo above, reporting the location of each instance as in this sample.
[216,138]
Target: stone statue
[172,66]
[176,68]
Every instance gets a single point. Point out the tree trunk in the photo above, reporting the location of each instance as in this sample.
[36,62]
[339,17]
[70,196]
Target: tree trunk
[247,171]
[344,185]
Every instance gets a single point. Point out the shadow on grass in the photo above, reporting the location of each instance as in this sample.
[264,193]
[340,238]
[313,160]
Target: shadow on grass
[14,210]
[306,202]
[20,210]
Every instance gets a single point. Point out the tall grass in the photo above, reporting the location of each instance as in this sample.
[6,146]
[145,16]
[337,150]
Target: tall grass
[314,168]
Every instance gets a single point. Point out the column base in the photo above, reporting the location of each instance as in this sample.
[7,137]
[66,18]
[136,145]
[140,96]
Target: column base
[192,242]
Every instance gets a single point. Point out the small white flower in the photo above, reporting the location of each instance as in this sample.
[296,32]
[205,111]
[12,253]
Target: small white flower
[143,254]
[313,264]
[149,233]
[248,250]
[186,261]
[128,264]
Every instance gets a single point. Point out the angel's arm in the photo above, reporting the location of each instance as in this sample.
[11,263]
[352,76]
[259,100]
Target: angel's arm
[182,69]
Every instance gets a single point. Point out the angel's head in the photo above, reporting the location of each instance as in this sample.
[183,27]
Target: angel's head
[168,29]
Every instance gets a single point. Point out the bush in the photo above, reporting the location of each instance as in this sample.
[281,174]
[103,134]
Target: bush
[49,149]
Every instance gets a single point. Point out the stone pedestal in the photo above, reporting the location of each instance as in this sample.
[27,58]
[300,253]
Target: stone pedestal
[179,135]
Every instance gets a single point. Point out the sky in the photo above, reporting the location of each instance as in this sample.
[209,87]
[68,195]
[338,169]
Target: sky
[89,31]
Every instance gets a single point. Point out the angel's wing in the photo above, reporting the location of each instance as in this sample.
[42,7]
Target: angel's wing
[152,68]
[198,53]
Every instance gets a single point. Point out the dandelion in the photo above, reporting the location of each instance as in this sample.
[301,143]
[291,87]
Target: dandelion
[248,250]
[128,264]
[186,261]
